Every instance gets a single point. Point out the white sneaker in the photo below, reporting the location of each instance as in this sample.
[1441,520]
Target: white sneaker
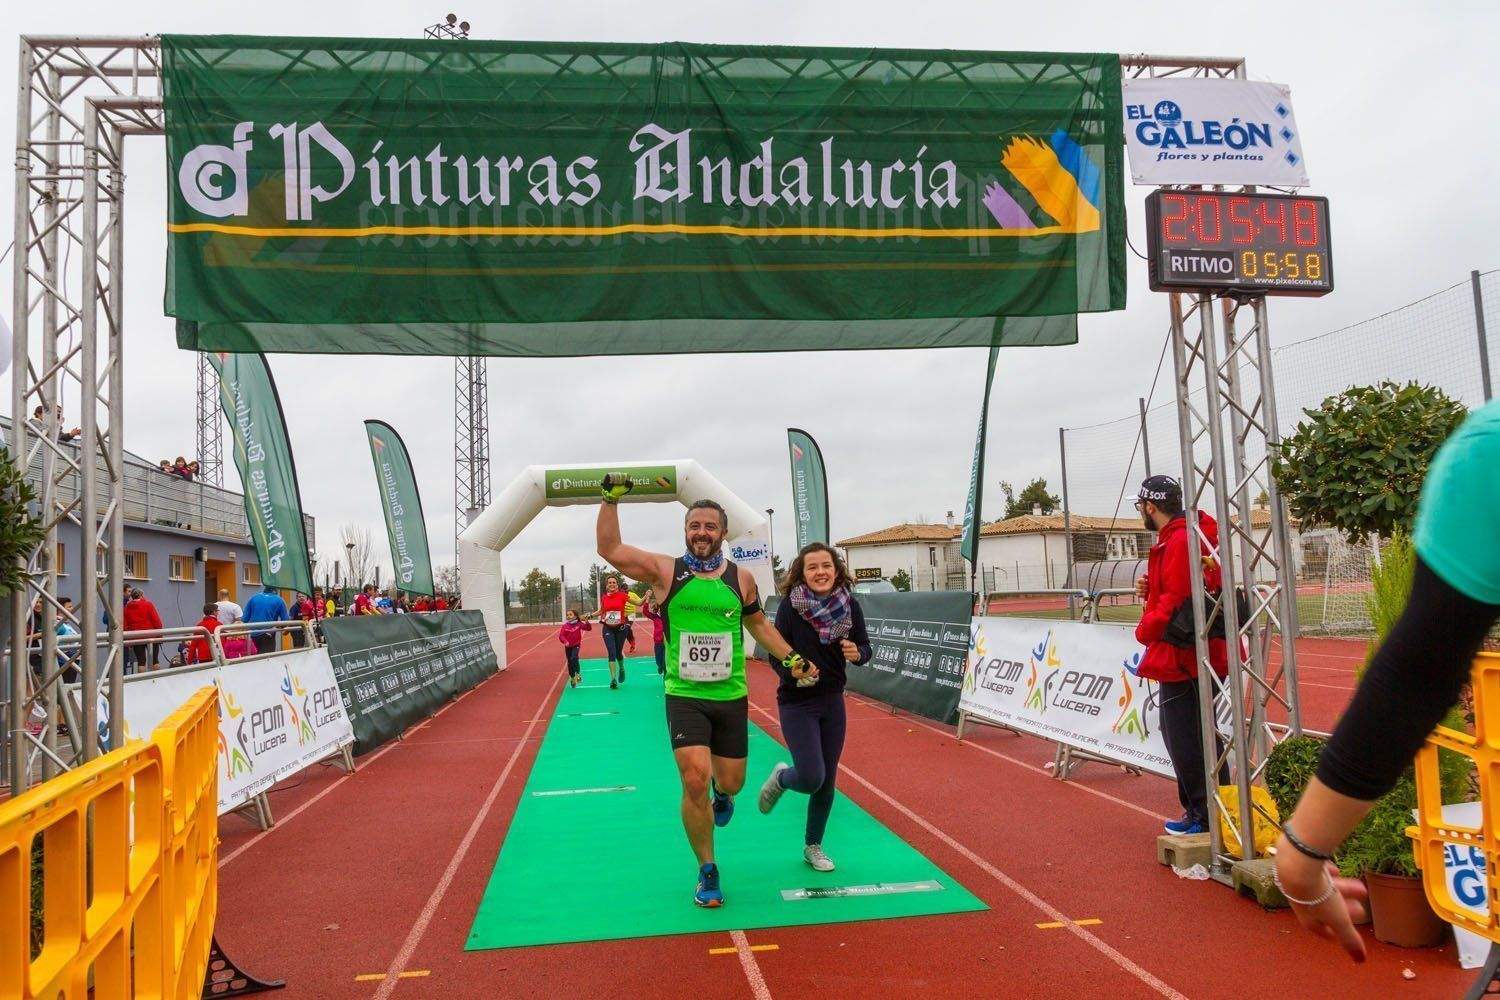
[770,792]
[813,855]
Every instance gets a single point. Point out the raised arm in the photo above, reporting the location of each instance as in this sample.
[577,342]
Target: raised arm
[638,564]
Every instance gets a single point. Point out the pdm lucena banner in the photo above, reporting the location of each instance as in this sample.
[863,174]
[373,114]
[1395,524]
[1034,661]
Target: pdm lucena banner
[541,198]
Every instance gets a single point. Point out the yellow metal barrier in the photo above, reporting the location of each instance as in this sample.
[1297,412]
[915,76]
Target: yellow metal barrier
[129,865]
[1432,835]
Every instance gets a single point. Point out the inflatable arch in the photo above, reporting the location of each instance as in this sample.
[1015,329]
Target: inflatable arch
[537,487]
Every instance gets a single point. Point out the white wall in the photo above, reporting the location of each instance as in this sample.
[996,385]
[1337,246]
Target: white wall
[1021,562]
[892,557]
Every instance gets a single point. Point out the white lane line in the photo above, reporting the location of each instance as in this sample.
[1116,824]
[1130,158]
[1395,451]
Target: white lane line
[1088,937]
[585,791]
[751,966]
[911,721]
[418,929]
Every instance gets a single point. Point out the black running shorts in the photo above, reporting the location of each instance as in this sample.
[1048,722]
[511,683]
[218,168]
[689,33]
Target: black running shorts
[722,726]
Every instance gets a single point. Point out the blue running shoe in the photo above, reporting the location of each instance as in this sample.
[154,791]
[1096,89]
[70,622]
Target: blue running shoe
[709,894]
[1184,826]
[723,805]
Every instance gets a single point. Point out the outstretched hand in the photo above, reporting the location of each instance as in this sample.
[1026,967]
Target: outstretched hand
[1334,918]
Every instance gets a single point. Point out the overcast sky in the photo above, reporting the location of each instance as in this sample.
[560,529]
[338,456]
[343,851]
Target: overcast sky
[1389,98]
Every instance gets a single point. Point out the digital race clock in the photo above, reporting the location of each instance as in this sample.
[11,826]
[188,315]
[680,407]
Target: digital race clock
[1215,241]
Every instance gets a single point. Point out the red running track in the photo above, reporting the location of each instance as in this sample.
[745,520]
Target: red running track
[367,885]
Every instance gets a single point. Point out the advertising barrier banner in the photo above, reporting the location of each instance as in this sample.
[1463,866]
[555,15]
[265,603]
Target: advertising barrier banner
[277,715]
[1207,131]
[334,195]
[919,642]
[394,670]
[1068,682]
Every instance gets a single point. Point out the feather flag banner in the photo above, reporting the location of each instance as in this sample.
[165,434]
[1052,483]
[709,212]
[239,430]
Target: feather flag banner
[345,195]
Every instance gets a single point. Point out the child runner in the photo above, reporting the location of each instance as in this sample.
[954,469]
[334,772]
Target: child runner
[823,622]
[658,633]
[571,636]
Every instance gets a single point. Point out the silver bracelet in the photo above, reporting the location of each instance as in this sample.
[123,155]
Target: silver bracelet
[1327,895]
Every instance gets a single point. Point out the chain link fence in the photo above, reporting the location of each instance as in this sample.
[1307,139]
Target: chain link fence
[1434,341]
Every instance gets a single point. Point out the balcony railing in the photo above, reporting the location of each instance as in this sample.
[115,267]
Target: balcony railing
[152,497]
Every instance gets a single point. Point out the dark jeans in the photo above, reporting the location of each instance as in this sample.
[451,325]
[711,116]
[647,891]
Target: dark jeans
[1182,733]
[299,639]
[661,658]
[143,655]
[572,652]
[814,733]
[265,642]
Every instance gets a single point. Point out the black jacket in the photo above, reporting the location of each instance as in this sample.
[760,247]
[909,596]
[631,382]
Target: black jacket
[829,657]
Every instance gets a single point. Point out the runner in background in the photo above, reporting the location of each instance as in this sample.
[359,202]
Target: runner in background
[571,637]
[611,615]
[1413,680]
[825,624]
[710,602]
[658,631]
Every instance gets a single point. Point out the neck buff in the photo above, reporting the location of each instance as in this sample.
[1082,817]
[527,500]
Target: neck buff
[708,565]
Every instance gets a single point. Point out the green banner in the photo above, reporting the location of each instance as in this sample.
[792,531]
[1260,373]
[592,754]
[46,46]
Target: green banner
[920,643]
[394,670]
[542,198]
[268,476]
[809,488]
[974,506]
[402,503]
[650,480]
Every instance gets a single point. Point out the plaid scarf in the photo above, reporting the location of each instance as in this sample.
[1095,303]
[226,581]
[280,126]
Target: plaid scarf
[832,616]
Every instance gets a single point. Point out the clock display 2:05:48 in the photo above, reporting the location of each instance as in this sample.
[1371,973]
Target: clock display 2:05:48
[1273,264]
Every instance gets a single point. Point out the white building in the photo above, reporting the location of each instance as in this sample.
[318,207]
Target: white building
[1018,554]
[927,553]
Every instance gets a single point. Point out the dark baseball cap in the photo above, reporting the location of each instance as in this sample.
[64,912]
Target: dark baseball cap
[1159,488]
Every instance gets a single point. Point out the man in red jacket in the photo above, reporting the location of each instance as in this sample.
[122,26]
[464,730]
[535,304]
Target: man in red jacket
[140,615]
[1166,585]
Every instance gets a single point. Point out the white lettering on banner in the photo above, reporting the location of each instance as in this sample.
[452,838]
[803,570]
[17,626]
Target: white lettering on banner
[255,455]
[405,565]
[1072,683]
[277,715]
[1212,131]
[214,179]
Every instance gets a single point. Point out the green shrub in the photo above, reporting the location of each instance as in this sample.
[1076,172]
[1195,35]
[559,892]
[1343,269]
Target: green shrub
[1289,767]
[1357,462]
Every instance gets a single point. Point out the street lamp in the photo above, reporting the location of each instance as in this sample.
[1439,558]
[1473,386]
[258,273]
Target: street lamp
[771,534]
[349,548]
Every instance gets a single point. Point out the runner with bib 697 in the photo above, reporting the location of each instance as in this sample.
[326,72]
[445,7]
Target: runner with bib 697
[709,602]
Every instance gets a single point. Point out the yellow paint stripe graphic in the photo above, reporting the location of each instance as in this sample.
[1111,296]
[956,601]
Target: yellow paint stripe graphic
[1055,924]
[772,232]
[370,977]
[753,947]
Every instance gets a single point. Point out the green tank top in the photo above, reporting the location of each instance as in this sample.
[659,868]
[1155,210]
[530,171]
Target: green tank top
[705,636]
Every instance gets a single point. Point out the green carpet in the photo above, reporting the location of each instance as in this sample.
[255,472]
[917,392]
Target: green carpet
[596,850]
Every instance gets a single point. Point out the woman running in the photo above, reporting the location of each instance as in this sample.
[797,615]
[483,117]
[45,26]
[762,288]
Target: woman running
[611,615]
[571,636]
[658,632]
[823,622]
